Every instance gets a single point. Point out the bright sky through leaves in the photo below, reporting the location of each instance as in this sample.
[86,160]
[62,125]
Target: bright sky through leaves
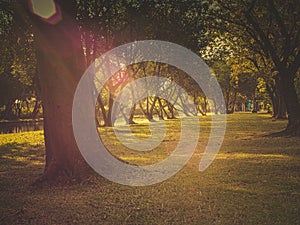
[43,8]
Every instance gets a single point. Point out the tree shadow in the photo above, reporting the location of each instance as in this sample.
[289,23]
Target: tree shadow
[21,154]
[20,163]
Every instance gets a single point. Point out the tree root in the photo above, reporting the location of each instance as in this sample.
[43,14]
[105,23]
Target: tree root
[57,175]
[293,131]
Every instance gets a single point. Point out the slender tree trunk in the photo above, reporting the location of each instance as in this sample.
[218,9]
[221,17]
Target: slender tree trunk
[8,112]
[227,96]
[281,109]
[171,110]
[131,116]
[274,104]
[37,106]
[205,105]
[60,63]
[108,121]
[231,104]
[100,106]
[148,112]
[163,110]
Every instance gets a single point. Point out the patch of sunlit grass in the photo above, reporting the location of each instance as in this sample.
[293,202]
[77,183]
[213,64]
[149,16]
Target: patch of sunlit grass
[254,180]
[251,156]
[140,132]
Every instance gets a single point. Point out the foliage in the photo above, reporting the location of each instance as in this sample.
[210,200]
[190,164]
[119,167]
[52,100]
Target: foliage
[107,24]
[270,31]
[17,59]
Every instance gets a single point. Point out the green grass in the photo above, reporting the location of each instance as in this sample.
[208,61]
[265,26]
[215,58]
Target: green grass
[255,179]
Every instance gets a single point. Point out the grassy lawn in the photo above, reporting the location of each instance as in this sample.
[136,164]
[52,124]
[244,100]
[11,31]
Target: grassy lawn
[255,179]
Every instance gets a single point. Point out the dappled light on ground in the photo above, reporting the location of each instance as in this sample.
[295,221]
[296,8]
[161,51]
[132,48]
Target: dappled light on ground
[254,180]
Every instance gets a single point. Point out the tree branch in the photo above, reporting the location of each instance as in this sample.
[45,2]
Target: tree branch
[269,47]
[278,18]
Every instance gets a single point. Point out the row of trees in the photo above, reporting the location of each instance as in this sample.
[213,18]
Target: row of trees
[242,49]
[266,33]
[153,105]
[19,60]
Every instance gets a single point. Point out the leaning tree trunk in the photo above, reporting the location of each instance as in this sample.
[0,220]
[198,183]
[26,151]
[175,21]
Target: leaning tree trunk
[60,63]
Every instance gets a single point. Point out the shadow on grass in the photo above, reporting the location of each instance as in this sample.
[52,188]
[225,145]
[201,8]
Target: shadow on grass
[20,163]
[254,180]
[20,155]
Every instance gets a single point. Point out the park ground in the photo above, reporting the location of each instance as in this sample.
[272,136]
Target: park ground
[255,179]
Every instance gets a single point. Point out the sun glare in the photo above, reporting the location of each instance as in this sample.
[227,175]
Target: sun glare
[47,10]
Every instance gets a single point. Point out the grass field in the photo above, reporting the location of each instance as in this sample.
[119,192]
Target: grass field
[255,179]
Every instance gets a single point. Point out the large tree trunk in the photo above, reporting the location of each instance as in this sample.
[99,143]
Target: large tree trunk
[292,104]
[60,63]
[279,102]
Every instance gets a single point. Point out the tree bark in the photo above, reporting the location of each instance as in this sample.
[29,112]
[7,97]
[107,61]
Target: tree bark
[108,122]
[292,104]
[131,116]
[281,109]
[278,99]
[99,106]
[60,63]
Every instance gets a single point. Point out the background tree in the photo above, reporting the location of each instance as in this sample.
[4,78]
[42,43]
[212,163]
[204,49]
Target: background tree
[273,27]
[17,62]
